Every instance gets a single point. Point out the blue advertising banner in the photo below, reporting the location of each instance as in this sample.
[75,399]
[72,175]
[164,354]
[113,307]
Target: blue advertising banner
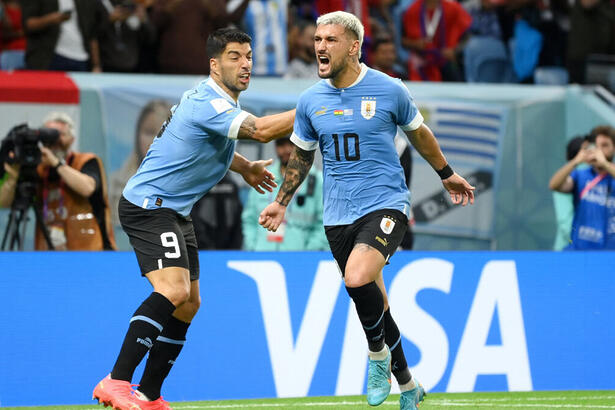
[471,321]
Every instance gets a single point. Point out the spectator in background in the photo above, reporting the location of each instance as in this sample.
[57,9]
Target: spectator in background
[266,22]
[383,56]
[434,30]
[593,190]
[217,217]
[183,28]
[125,30]
[13,41]
[72,193]
[61,34]
[302,228]
[151,118]
[592,31]
[564,207]
[485,22]
[304,64]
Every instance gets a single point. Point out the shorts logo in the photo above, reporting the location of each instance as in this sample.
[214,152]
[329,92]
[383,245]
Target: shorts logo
[384,242]
[368,107]
[387,225]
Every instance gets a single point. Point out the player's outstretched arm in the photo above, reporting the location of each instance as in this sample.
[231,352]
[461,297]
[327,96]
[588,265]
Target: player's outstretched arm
[267,128]
[254,173]
[297,169]
[426,144]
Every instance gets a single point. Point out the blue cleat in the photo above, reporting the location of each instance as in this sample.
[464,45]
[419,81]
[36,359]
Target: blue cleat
[411,399]
[379,380]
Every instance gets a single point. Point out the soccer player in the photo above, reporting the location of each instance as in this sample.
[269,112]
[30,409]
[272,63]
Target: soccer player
[353,116]
[192,152]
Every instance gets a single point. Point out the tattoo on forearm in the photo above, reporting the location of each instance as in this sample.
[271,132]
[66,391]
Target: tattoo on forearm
[247,129]
[298,167]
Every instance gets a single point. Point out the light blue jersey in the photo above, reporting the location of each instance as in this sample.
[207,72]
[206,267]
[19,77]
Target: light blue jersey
[355,128]
[193,152]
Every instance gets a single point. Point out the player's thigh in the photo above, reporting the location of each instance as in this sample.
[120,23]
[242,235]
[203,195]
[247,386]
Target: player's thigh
[378,236]
[341,241]
[156,236]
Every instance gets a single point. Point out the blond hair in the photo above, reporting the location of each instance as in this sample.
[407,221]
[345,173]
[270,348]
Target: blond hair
[61,117]
[350,22]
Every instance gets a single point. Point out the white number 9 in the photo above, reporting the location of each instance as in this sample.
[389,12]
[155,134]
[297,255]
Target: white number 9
[169,240]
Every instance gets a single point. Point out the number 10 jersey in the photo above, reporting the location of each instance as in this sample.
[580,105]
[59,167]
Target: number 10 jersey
[355,128]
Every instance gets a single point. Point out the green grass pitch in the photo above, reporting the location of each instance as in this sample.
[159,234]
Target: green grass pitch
[526,400]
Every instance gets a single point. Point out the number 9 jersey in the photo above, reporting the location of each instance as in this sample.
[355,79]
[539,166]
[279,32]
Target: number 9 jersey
[355,128]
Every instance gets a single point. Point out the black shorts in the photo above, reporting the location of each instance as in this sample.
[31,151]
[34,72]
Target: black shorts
[161,238]
[383,230]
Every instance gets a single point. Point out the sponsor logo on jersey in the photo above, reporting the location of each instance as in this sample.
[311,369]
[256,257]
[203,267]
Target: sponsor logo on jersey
[323,110]
[387,225]
[368,107]
[384,242]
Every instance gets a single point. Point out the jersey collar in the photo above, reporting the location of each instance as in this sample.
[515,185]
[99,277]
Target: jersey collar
[210,82]
[364,69]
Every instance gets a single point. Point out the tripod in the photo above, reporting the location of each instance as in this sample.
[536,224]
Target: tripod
[15,231]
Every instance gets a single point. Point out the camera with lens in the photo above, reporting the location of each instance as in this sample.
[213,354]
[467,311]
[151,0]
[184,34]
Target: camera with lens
[24,142]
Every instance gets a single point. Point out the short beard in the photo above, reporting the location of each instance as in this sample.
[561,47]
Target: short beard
[333,72]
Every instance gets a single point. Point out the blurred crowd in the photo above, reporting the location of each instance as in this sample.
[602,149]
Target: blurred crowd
[527,41]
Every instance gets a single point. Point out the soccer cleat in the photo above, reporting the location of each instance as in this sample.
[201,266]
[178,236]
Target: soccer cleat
[379,380]
[412,399]
[158,404]
[115,393]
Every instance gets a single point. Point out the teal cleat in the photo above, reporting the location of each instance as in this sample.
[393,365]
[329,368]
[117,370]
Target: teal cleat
[411,399]
[379,380]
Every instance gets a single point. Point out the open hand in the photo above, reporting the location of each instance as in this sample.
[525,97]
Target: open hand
[258,177]
[272,216]
[459,189]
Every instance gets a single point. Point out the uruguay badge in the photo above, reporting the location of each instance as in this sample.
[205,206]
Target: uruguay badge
[368,107]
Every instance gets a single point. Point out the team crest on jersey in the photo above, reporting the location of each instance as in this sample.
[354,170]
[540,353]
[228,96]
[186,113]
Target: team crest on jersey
[368,107]
[387,225]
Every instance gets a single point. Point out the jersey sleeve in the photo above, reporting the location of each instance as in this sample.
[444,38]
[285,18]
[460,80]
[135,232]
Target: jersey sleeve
[304,135]
[409,117]
[218,116]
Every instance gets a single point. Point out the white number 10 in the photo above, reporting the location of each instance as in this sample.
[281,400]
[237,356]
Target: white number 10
[169,240]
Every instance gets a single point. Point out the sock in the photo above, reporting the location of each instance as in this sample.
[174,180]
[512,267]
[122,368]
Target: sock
[145,326]
[162,357]
[399,366]
[407,386]
[370,307]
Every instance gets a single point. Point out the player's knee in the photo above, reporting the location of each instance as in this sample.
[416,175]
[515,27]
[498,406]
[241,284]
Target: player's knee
[355,279]
[178,293]
[193,304]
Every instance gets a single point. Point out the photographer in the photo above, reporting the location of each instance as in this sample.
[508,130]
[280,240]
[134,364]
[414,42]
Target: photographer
[593,189]
[70,193]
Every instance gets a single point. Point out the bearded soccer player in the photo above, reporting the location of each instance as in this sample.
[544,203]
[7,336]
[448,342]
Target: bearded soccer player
[192,152]
[353,114]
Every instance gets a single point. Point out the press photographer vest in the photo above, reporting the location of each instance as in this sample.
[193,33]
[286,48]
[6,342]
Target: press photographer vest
[66,210]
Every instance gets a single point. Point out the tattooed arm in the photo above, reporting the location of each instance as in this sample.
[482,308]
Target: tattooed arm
[297,169]
[265,129]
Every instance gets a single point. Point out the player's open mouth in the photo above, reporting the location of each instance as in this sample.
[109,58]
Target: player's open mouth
[323,62]
[244,78]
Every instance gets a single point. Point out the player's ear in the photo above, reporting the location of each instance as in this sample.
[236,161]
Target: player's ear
[213,65]
[354,49]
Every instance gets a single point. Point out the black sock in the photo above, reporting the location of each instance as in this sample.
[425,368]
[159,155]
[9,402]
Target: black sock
[399,366]
[145,326]
[162,357]
[370,307]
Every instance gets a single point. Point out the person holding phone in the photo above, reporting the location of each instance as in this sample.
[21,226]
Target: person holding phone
[61,35]
[593,189]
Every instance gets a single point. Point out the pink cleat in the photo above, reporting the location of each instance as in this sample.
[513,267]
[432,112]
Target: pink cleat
[158,404]
[115,393]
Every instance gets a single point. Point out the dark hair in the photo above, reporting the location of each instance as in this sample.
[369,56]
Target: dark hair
[573,146]
[602,130]
[378,41]
[217,41]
